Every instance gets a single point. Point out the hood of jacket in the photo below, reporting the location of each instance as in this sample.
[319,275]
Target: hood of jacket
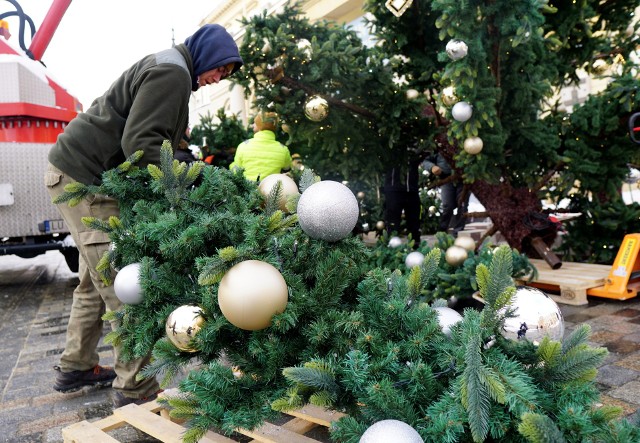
[212,46]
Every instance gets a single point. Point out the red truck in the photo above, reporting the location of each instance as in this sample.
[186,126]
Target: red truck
[34,109]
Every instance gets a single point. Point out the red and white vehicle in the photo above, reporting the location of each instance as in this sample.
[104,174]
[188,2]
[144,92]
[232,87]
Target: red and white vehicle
[34,109]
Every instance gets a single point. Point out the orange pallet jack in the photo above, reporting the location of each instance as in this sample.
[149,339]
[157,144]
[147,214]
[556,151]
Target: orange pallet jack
[623,281]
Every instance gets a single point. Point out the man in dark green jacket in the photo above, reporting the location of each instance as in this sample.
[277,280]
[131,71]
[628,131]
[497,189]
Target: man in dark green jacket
[147,104]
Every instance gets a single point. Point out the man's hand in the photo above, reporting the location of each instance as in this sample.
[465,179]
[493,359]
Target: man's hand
[436,170]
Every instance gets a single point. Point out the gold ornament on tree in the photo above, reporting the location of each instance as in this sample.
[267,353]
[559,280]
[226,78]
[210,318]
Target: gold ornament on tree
[379,225]
[448,96]
[456,255]
[398,7]
[251,293]
[288,189]
[465,242]
[182,325]
[316,108]
[473,145]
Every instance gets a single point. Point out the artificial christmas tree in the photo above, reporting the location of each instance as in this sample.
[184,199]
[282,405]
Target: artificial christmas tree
[489,76]
[365,341]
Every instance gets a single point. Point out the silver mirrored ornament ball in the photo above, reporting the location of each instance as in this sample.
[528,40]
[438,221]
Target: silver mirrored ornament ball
[447,317]
[536,316]
[394,242]
[328,210]
[389,431]
[456,49]
[413,259]
[127,284]
[465,242]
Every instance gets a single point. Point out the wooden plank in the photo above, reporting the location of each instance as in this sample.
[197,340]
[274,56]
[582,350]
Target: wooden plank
[152,424]
[270,433]
[317,415]
[297,425]
[85,432]
[115,421]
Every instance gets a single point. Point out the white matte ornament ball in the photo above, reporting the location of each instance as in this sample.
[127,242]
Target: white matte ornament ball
[251,293]
[447,317]
[536,316]
[412,94]
[413,259]
[390,431]
[465,242]
[182,325]
[456,49]
[473,145]
[288,188]
[328,210]
[456,255]
[316,108]
[461,111]
[127,285]
[394,242]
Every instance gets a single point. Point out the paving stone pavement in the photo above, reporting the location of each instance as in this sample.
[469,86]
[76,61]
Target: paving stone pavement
[35,298]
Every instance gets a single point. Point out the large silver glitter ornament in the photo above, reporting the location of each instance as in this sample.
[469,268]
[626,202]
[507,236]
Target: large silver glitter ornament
[182,325]
[447,317]
[461,111]
[127,284]
[316,108]
[327,210]
[456,49]
[394,242]
[536,316]
[390,431]
[414,258]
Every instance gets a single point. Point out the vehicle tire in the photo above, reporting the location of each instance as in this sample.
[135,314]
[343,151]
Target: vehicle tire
[71,256]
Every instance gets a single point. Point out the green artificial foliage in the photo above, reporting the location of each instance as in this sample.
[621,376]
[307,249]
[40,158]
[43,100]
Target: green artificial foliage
[361,340]
[385,98]
[451,282]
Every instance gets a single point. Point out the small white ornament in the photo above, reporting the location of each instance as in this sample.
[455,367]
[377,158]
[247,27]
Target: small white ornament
[456,49]
[388,431]
[413,259]
[536,316]
[394,242]
[412,94]
[473,145]
[447,317]
[305,46]
[462,111]
[127,284]
[328,210]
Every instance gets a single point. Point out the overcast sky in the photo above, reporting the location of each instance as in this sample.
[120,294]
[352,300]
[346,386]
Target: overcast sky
[98,39]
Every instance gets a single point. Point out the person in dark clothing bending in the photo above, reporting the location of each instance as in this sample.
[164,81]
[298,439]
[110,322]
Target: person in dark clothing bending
[401,192]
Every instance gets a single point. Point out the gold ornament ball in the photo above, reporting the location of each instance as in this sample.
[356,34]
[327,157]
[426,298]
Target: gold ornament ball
[316,108]
[412,94]
[600,66]
[288,188]
[473,145]
[182,325]
[448,96]
[360,195]
[379,225]
[465,242]
[432,210]
[251,293]
[456,255]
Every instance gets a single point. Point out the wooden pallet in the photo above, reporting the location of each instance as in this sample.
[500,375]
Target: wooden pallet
[152,419]
[572,280]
